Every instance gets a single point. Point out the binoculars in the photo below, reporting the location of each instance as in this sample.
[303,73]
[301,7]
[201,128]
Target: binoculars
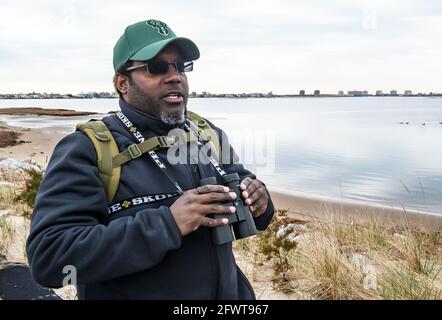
[241,224]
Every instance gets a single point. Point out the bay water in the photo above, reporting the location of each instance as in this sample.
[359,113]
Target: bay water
[381,150]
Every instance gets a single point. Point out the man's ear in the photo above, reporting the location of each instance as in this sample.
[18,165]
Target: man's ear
[121,83]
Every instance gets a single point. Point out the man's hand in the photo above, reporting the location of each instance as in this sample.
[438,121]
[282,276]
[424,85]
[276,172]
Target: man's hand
[255,195]
[191,208]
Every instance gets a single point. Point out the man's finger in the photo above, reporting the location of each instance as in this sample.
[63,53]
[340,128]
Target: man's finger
[217,197]
[245,183]
[218,209]
[259,204]
[251,188]
[210,222]
[255,195]
[211,188]
[256,212]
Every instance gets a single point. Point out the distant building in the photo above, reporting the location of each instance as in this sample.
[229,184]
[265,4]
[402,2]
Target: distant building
[393,92]
[341,93]
[356,93]
[317,92]
[408,92]
[379,92]
[302,92]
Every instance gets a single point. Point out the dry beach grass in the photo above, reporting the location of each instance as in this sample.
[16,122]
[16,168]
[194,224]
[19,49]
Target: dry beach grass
[335,259]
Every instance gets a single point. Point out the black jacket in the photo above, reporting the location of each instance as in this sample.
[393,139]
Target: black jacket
[137,253]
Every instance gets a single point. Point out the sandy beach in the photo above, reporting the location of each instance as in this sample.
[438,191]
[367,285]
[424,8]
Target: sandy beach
[37,144]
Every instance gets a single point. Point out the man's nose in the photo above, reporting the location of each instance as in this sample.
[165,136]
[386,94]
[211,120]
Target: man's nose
[172,74]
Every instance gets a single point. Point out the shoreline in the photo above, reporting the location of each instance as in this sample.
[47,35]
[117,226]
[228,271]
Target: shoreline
[40,142]
[311,207]
[35,111]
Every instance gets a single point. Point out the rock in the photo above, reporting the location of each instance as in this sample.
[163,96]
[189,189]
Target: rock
[291,228]
[294,238]
[12,164]
[281,232]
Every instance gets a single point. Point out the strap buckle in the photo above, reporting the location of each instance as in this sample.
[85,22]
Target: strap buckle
[201,123]
[166,141]
[202,136]
[102,136]
[134,151]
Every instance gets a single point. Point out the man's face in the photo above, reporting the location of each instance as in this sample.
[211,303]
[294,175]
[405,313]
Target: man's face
[161,95]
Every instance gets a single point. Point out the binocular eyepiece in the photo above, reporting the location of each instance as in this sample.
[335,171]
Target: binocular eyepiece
[241,224]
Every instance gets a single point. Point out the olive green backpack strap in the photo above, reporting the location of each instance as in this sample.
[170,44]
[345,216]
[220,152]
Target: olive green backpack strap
[137,150]
[205,131]
[106,149]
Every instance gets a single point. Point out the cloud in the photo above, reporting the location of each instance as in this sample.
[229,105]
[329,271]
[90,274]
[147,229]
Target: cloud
[246,46]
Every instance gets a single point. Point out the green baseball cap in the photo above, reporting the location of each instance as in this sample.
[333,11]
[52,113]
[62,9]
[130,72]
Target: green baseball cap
[145,39]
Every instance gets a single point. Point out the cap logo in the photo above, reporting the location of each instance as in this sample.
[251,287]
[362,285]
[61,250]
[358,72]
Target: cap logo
[161,27]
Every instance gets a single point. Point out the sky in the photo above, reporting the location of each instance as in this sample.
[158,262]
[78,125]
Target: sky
[246,46]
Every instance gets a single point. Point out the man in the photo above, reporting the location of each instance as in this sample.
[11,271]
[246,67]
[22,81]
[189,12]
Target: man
[160,248]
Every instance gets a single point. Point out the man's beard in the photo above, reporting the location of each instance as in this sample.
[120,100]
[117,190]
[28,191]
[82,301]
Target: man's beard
[146,104]
[172,118]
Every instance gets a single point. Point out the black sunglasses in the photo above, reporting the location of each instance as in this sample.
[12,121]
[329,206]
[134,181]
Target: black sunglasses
[162,67]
